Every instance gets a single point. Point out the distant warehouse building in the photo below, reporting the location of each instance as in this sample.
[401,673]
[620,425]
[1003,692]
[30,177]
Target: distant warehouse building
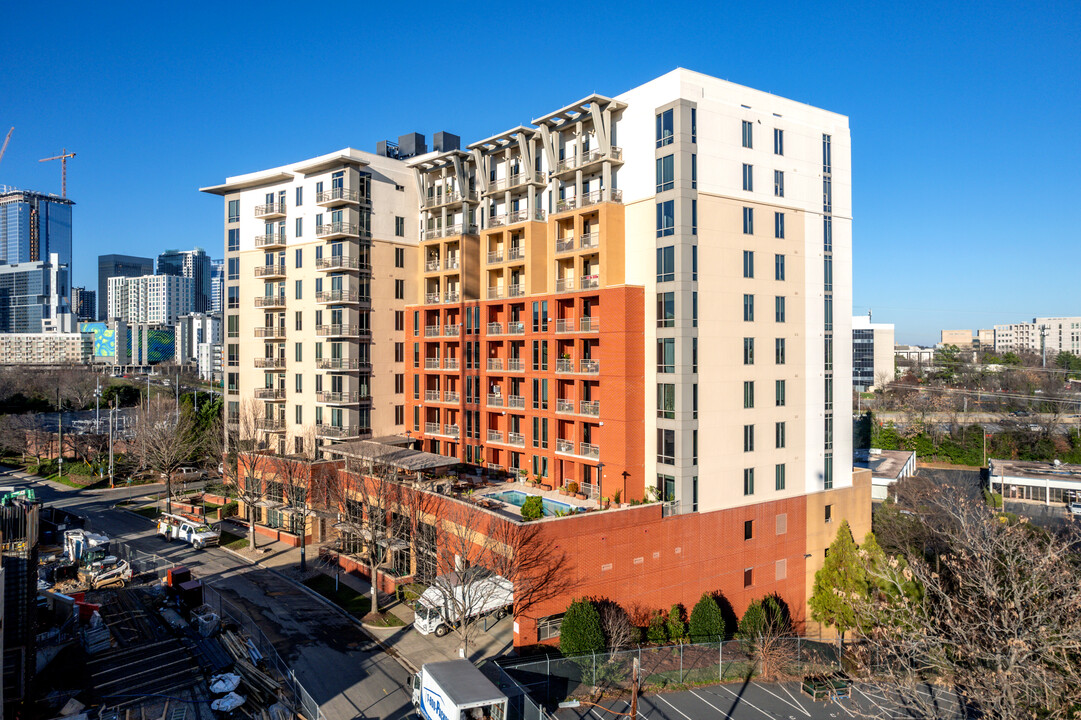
[1046,482]
[886,466]
[46,348]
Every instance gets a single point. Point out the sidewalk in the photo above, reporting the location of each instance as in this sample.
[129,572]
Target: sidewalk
[406,644]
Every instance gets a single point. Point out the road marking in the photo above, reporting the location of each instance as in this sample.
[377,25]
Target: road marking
[873,702]
[741,700]
[707,702]
[795,705]
[661,698]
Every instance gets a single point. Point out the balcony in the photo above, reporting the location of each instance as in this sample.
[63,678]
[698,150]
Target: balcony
[431,396]
[337,398]
[565,244]
[270,301]
[338,431]
[269,362]
[516,401]
[452,396]
[339,364]
[270,241]
[590,367]
[451,364]
[270,210]
[339,297]
[516,290]
[342,262]
[266,271]
[589,199]
[516,328]
[565,285]
[564,365]
[334,230]
[270,424]
[452,263]
[495,400]
[337,196]
[516,439]
[592,408]
[564,326]
[495,293]
[432,265]
[588,450]
[431,298]
[339,330]
[451,296]
[495,436]
[451,430]
[431,363]
[515,365]
[452,330]
[449,198]
[270,393]
[514,181]
[589,325]
[431,331]
[565,406]
[431,428]
[516,216]
[590,281]
[590,241]
[450,231]
[584,160]
[495,256]
[495,365]
[270,333]
[565,447]
[516,252]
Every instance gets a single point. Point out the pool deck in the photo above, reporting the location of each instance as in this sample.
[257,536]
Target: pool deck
[514,511]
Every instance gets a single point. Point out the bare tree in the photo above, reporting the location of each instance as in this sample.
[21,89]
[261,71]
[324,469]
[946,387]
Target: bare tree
[16,433]
[169,441]
[995,615]
[299,475]
[237,442]
[619,632]
[76,386]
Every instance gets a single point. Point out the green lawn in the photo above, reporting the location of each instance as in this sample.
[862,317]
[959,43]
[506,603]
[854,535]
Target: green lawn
[150,511]
[351,601]
[232,541]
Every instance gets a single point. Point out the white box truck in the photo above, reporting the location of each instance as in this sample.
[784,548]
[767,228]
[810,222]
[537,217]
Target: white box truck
[198,535]
[459,596]
[456,690]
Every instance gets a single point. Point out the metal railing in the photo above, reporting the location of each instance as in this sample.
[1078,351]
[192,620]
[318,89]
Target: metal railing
[589,324]
[451,264]
[565,406]
[431,428]
[269,240]
[516,401]
[516,180]
[495,292]
[277,208]
[588,158]
[589,450]
[565,325]
[337,329]
[338,363]
[495,400]
[269,424]
[431,363]
[451,364]
[565,244]
[337,398]
[451,396]
[516,252]
[589,241]
[432,265]
[265,270]
[339,193]
[452,330]
[590,367]
[495,436]
[343,262]
[265,393]
[495,364]
[495,256]
[516,439]
[337,431]
[431,331]
[269,332]
[589,407]
[564,365]
[337,296]
[516,327]
[450,231]
[495,328]
[515,290]
[269,362]
[451,296]
[448,198]
[564,446]
[431,298]
[269,300]
[431,396]
[336,228]
[565,285]
[451,430]
[515,365]
[590,281]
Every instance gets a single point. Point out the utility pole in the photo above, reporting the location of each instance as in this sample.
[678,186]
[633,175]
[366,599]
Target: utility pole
[59,436]
[97,408]
[112,414]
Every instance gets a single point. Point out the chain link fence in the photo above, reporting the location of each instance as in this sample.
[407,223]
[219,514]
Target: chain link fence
[520,705]
[553,678]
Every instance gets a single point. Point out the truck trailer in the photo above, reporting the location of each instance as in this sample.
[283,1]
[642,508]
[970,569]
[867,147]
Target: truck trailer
[456,690]
[459,596]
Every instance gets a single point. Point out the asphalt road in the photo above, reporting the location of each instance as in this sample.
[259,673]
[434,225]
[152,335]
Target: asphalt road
[347,674]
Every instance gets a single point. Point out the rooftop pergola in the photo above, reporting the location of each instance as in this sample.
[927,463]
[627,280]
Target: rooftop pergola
[395,456]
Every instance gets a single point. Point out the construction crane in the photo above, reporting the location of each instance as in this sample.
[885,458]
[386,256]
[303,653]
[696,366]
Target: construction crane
[6,141]
[63,158]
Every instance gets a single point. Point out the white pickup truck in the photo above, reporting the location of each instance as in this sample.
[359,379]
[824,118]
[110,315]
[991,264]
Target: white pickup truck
[198,535]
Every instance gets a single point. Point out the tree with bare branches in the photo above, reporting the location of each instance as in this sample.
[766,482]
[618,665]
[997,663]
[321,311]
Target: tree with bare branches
[237,442]
[168,440]
[298,475]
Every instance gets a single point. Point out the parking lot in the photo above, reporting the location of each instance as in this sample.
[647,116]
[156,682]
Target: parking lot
[773,701]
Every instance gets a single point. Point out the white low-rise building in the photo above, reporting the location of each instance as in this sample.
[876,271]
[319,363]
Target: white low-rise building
[886,466]
[46,348]
[1046,482]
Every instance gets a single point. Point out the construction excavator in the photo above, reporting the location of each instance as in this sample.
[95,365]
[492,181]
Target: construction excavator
[89,553]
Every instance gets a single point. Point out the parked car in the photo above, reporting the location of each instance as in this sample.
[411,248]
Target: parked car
[1075,508]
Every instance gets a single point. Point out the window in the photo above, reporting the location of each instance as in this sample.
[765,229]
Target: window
[748,308]
[233,325]
[666,265]
[298,351]
[232,355]
[299,227]
[233,269]
[299,382]
[827,472]
[665,128]
[399,257]
[548,627]
[666,218]
[748,529]
[694,354]
[694,262]
[416,322]
[778,351]
[299,288]
[748,481]
[300,196]
[748,577]
[694,124]
[778,309]
[748,394]
[666,401]
[694,217]
[778,141]
[694,309]
[232,383]
[748,438]
[399,383]
[399,226]
[748,351]
[748,264]
[666,309]
[694,171]
[779,393]
[778,267]
[299,257]
[399,320]
[666,355]
[298,320]
[399,289]
[234,211]
[298,415]
[778,225]
[694,401]
[778,183]
[778,484]
[829,513]
[666,173]
[748,177]
[399,414]
[234,240]
[399,352]
[748,134]
[233,293]
[666,446]
[779,433]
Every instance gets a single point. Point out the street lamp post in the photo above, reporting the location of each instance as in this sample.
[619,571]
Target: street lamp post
[112,414]
[59,437]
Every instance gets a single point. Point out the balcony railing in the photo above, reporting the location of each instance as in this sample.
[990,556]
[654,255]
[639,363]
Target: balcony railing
[565,406]
[264,301]
[431,363]
[565,285]
[269,362]
[564,446]
[590,281]
[515,401]
[588,450]
[266,393]
[451,296]
[495,256]
[339,364]
[431,298]
[515,365]
[431,428]
[338,296]
[449,198]
[337,431]
[342,262]
[431,331]
[495,292]
[450,231]
[565,326]
[589,199]
[515,439]
[337,398]
[516,180]
[495,436]
[270,332]
[338,329]
[269,270]
[337,229]
[270,210]
[495,364]
[516,328]
[564,365]
[271,424]
[336,196]
[270,240]
[452,396]
[589,324]
[452,330]
[565,244]
[587,158]
[495,328]
[432,265]
[495,400]
[516,252]
[515,290]
[431,396]
[589,407]
[451,430]
[451,364]
[590,241]
[590,367]
[451,264]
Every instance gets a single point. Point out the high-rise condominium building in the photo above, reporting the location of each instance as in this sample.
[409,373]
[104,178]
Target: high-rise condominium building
[151,299]
[84,304]
[320,259]
[34,227]
[110,266]
[34,297]
[873,356]
[217,286]
[192,264]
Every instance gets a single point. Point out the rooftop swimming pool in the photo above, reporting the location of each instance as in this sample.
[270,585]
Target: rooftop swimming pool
[517,497]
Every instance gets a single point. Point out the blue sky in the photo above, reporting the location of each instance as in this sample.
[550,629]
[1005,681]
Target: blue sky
[964,115]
